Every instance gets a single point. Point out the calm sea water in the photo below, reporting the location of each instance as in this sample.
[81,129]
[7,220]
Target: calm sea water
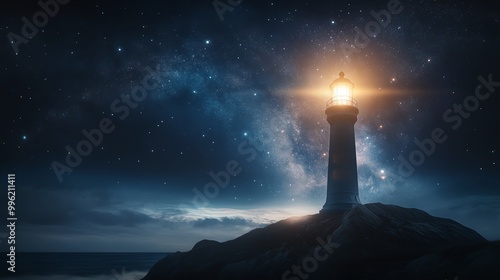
[80,266]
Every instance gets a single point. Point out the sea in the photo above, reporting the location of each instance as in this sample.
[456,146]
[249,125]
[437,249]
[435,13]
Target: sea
[79,266]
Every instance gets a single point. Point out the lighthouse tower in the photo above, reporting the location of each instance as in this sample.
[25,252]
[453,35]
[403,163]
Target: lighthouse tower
[342,113]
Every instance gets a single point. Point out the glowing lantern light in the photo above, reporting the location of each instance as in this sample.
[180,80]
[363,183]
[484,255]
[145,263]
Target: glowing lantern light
[342,89]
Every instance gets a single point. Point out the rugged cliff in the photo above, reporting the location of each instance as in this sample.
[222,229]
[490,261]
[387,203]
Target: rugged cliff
[373,241]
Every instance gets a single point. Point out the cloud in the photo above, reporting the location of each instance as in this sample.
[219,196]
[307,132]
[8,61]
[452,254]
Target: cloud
[225,221]
[125,217]
[57,206]
[51,206]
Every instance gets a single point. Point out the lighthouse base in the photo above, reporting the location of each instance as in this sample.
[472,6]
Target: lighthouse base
[341,202]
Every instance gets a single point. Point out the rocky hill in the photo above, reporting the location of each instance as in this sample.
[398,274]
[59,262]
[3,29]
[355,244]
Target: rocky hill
[373,241]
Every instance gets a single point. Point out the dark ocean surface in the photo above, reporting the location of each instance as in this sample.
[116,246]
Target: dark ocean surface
[80,266]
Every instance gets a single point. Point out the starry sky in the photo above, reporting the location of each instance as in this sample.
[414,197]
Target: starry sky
[176,95]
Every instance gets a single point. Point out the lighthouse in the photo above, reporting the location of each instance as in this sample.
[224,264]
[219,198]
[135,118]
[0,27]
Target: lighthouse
[342,113]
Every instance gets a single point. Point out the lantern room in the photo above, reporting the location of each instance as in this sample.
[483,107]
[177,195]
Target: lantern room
[342,92]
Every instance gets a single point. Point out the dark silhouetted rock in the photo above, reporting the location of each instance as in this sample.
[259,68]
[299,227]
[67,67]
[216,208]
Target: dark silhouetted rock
[373,241]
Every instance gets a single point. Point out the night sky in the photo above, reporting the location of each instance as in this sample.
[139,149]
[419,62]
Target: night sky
[173,92]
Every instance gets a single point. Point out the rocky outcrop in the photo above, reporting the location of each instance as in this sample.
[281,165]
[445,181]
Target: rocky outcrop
[373,241]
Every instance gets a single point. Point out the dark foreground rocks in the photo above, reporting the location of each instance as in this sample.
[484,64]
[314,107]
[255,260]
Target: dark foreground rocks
[373,241]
